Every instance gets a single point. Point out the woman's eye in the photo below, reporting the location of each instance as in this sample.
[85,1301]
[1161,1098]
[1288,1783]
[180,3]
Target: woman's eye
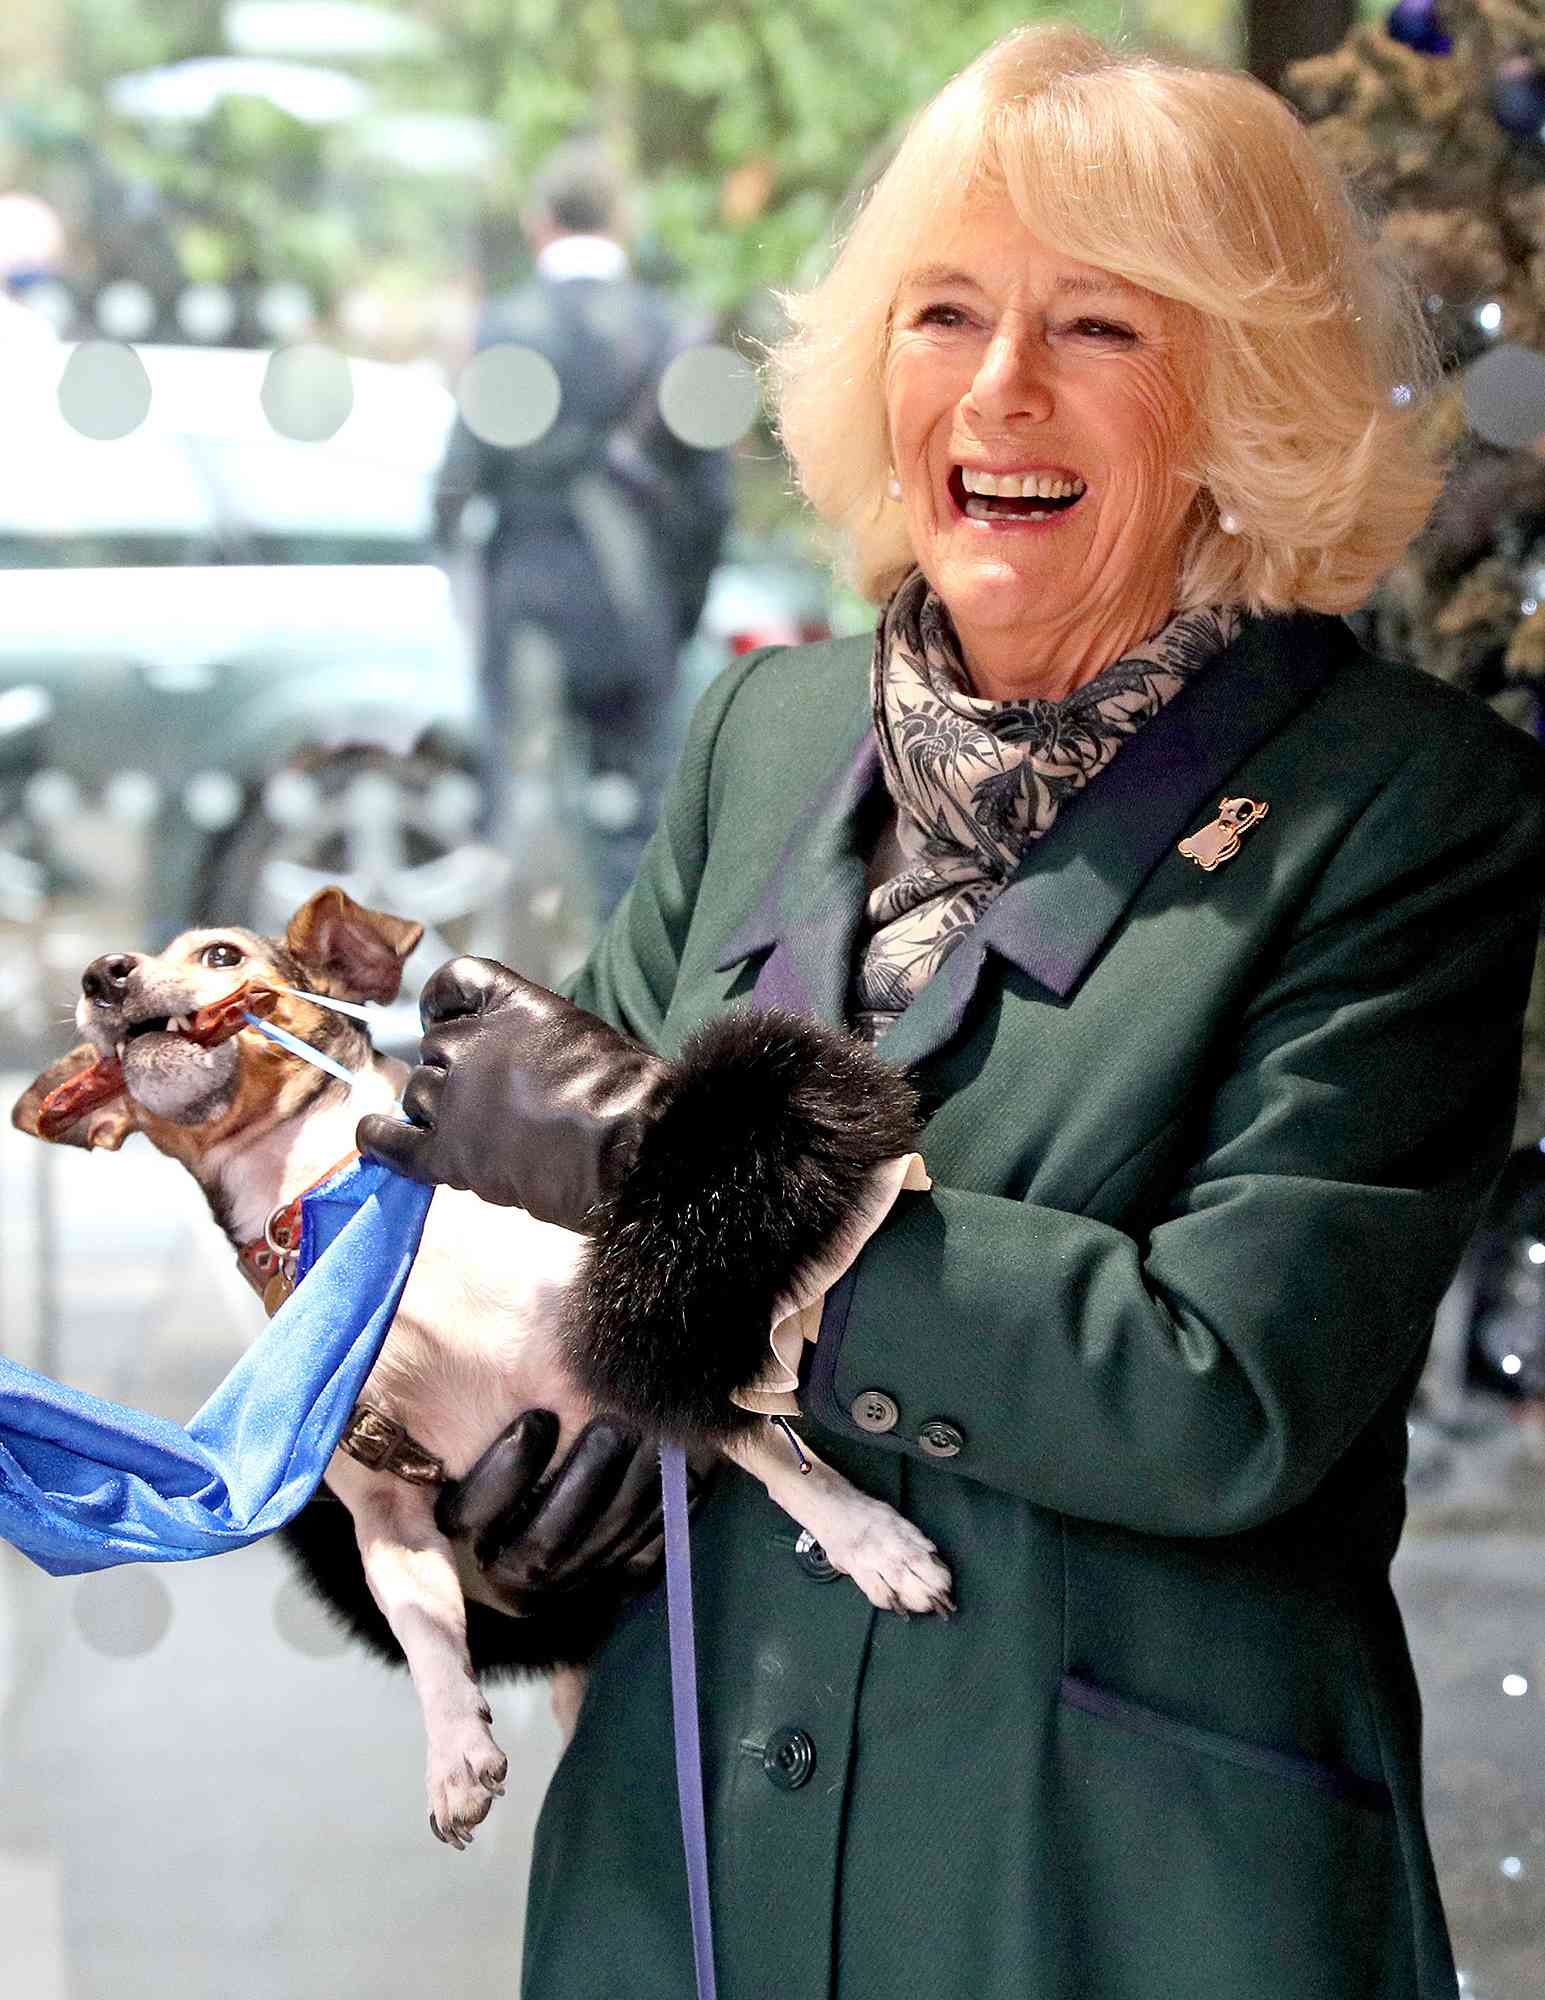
[940,315]
[218,955]
[1103,329]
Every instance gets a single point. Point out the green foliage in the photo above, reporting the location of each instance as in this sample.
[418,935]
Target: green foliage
[745,123]
[804,92]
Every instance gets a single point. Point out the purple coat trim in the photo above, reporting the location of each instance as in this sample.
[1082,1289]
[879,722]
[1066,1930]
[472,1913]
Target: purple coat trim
[1334,1779]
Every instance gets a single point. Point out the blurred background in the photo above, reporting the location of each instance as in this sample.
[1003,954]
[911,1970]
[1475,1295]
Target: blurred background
[351,356]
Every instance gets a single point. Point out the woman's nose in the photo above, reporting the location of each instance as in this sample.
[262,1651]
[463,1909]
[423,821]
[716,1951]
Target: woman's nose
[1014,378]
[106,978]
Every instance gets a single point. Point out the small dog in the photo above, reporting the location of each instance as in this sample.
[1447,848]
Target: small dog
[475,1337]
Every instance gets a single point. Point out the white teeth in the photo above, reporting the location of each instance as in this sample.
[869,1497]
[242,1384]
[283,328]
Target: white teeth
[978,510]
[123,1043]
[1021,486]
[178,1024]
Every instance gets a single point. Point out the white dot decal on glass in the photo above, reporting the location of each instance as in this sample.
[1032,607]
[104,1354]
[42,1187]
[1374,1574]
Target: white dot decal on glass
[613,802]
[132,796]
[302,1623]
[52,303]
[52,797]
[1512,1867]
[205,312]
[709,397]
[1514,1684]
[509,395]
[1504,396]
[104,392]
[292,798]
[307,393]
[212,800]
[123,1612]
[285,310]
[125,310]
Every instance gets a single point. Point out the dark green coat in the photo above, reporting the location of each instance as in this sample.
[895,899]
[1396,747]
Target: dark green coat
[1206,1148]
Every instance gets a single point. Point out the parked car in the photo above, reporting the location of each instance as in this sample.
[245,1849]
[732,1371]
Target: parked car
[243,639]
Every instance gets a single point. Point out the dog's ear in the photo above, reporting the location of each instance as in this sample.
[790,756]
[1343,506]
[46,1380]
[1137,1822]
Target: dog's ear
[102,1127]
[349,950]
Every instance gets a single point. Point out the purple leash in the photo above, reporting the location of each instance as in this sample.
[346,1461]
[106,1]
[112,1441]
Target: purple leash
[689,1749]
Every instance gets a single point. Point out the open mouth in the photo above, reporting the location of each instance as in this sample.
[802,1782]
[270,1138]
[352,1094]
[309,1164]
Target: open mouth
[177,1025]
[1030,496]
[207,1026]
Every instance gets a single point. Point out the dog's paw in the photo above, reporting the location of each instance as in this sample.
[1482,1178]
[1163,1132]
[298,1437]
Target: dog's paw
[894,1564]
[467,1770]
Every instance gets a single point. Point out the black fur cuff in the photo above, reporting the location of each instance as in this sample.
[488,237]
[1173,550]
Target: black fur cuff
[755,1165]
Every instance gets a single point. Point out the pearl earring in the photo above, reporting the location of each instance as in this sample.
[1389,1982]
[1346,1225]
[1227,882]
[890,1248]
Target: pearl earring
[1229,523]
[893,486]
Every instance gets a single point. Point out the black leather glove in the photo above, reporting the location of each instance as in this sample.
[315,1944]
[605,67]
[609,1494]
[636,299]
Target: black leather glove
[707,1185]
[520,1096]
[595,1522]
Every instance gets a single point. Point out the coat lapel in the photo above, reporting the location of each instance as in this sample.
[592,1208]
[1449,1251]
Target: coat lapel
[808,914]
[1075,885]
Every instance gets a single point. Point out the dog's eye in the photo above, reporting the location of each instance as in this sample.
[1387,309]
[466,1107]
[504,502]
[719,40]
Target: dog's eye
[217,955]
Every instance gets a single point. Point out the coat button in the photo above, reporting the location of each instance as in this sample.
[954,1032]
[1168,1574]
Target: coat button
[789,1759]
[813,1559]
[940,1439]
[873,1410]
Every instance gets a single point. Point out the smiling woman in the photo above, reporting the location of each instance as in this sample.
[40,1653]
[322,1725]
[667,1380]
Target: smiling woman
[1190,232]
[1204,939]
[1021,368]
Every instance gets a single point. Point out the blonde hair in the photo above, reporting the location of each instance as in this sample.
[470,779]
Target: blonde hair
[1199,185]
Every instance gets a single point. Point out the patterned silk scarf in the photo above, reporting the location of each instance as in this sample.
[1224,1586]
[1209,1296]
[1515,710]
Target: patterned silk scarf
[974,782]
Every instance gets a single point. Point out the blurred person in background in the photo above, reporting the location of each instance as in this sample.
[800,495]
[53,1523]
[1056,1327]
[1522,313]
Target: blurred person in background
[605,528]
[32,252]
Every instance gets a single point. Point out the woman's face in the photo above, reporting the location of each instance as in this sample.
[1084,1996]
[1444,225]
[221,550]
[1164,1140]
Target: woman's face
[1016,372]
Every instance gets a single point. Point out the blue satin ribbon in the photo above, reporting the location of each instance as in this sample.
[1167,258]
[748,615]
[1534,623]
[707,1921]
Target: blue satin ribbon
[85,1483]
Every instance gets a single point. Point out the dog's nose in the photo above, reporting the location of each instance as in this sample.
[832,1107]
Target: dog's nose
[105,978]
